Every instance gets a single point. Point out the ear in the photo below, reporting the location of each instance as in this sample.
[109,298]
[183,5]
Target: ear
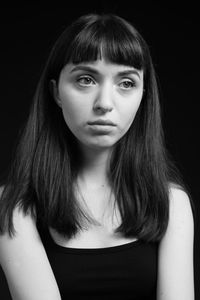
[54,92]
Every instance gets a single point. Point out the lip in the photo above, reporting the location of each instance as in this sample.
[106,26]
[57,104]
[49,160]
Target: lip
[102,122]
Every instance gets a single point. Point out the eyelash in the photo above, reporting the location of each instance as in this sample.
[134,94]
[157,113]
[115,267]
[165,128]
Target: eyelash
[86,77]
[133,84]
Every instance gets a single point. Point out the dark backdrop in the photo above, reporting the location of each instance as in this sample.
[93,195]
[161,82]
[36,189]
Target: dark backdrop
[29,30]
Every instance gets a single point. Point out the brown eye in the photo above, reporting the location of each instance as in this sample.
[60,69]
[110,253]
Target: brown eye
[85,81]
[127,84]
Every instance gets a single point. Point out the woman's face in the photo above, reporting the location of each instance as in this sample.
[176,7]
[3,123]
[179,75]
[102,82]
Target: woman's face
[99,100]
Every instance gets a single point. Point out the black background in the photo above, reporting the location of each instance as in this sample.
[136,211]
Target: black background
[28,32]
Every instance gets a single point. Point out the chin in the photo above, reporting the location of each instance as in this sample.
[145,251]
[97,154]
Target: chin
[100,146]
[100,143]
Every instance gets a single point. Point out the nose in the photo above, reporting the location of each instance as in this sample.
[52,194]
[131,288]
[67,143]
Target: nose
[103,102]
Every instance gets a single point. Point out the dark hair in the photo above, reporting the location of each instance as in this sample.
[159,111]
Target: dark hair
[47,157]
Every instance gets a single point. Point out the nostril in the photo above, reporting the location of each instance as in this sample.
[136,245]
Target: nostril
[102,109]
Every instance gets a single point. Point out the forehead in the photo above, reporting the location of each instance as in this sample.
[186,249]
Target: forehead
[102,66]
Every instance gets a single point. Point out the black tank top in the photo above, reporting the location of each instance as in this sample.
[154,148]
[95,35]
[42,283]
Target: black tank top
[124,272]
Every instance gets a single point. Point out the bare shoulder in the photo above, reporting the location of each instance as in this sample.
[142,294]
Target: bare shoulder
[26,236]
[180,210]
[175,260]
[24,261]
[181,224]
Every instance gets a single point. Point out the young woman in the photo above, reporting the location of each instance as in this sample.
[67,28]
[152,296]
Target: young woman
[94,208]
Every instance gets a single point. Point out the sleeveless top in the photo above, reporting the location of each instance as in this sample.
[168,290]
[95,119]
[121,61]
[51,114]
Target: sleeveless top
[125,272]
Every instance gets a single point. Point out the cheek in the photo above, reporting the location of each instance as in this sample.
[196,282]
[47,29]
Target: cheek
[73,107]
[71,112]
[128,112]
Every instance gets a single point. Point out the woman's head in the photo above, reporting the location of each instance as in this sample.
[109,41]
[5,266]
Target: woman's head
[94,39]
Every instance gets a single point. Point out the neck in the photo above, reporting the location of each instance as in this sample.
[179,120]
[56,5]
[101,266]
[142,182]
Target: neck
[95,167]
[93,183]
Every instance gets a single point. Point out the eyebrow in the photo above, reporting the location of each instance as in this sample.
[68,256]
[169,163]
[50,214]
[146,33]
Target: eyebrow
[94,71]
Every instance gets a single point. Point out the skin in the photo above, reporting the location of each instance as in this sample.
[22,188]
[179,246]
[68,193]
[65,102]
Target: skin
[101,92]
[85,96]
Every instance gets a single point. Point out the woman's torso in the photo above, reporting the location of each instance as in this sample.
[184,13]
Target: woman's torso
[98,264]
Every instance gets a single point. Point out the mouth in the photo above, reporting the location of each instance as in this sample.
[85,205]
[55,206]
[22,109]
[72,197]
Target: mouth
[102,123]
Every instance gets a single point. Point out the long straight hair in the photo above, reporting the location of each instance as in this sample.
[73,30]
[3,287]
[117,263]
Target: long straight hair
[47,158]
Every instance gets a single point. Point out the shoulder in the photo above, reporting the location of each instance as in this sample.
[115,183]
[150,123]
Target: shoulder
[25,235]
[24,261]
[175,261]
[25,232]
[179,234]
[180,210]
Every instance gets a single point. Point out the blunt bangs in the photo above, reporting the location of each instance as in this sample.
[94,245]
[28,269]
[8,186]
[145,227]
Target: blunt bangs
[117,42]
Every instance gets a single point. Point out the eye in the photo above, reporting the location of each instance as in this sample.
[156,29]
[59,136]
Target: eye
[127,84]
[85,80]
